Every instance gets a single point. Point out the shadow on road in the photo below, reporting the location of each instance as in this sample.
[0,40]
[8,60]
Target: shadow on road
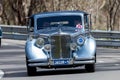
[15,74]
[60,72]
[99,67]
[45,73]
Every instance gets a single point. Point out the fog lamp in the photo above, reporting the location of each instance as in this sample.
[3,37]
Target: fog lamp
[73,46]
[47,47]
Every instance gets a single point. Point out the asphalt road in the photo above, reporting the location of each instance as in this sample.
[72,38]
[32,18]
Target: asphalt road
[12,63]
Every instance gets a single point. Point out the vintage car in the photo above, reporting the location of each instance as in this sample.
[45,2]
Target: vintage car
[0,35]
[60,39]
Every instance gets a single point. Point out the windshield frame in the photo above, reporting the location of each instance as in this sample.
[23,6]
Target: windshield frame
[55,21]
[54,15]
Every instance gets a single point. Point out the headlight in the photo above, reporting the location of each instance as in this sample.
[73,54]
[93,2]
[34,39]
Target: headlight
[80,40]
[73,46]
[40,42]
[47,47]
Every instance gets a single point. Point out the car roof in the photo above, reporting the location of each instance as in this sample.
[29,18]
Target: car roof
[60,12]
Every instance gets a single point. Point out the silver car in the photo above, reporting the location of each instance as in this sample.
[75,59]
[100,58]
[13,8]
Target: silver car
[60,40]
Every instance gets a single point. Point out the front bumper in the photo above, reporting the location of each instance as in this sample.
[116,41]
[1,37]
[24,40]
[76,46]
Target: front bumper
[50,63]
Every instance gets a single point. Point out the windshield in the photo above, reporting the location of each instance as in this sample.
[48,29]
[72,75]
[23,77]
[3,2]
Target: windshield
[56,21]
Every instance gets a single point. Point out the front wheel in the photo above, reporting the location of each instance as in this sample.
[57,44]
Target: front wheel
[90,67]
[31,71]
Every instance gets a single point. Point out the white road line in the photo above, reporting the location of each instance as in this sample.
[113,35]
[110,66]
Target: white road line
[20,46]
[100,61]
[12,50]
[1,74]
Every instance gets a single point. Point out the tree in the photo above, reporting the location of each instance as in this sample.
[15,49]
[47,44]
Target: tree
[1,9]
[105,13]
[111,8]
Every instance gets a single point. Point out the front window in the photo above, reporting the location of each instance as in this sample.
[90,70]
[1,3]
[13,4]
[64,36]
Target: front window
[55,21]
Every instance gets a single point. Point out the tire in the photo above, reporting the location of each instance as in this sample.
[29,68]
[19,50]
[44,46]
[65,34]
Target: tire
[31,71]
[90,67]
[95,58]
[0,42]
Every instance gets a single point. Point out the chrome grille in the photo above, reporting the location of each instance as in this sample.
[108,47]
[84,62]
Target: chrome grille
[60,46]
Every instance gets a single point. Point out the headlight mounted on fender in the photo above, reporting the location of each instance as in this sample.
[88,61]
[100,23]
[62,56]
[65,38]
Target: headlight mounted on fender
[40,42]
[80,40]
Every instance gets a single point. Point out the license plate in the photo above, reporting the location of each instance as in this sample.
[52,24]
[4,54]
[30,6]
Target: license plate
[60,62]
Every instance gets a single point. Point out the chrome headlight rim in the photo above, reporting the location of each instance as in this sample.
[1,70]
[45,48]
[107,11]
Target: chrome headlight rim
[80,40]
[39,42]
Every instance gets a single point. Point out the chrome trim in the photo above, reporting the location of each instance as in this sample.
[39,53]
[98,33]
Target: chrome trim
[37,64]
[37,60]
[84,59]
[51,63]
[84,62]
[60,46]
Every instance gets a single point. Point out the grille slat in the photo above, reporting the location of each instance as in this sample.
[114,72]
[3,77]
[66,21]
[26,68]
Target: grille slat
[60,46]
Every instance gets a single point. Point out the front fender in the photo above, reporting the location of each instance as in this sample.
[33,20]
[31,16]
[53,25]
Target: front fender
[88,50]
[33,52]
